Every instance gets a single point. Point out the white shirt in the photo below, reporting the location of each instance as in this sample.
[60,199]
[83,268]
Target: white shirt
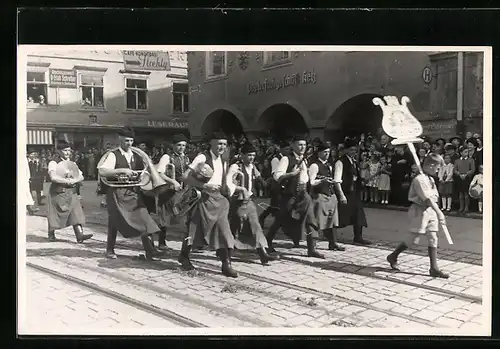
[110,162]
[339,169]
[478,179]
[313,172]
[52,166]
[162,164]
[274,164]
[283,165]
[218,170]
[230,176]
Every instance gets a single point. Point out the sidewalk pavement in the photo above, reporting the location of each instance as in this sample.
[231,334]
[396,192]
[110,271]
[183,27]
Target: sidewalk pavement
[354,288]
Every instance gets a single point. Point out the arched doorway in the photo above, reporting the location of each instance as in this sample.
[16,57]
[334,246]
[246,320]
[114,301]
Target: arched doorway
[280,120]
[355,116]
[222,120]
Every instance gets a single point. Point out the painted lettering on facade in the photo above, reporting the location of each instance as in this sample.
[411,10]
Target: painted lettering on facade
[167,124]
[62,78]
[146,60]
[307,77]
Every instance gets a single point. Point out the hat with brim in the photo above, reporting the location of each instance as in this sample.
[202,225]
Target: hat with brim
[350,143]
[179,138]
[247,148]
[216,135]
[127,132]
[457,138]
[62,144]
[321,146]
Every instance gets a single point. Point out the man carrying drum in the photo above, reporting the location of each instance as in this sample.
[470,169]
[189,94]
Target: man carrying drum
[64,207]
[126,209]
[209,224]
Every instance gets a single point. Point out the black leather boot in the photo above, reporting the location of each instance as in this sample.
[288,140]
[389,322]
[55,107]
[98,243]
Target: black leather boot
[264,257]
[434,270]
[332,240]
[358,236]
[184,256]
[162,236]
[225,257]
[311,248]
[149,248]
[52,236]
[393,257]
[273,230]
[111,241]
[80,236]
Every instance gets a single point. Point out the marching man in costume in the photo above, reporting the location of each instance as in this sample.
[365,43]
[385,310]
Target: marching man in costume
[180,162]
[296,215]
[347,183]
[323,195]
[208,223]
[275,188]
[126,209]
[424,214]
[64,207]
[243,211]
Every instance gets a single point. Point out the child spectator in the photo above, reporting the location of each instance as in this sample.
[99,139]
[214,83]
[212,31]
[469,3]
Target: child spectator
[374,174]
[364,173]
[464,168]
[384,181]
[477,181]
[445,176]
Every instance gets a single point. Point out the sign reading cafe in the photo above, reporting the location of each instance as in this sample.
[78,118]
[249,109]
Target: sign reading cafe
[146,60]
[307,77]
[65,78]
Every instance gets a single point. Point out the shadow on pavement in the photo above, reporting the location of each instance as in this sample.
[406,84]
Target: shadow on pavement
[134,263]
[63,252]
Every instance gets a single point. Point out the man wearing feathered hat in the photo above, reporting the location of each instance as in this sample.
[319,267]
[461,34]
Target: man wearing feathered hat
[296,216]
[323,195]
[243,211]
[64,207]
[178,162]
[208,221]
[348,186]
[127,212]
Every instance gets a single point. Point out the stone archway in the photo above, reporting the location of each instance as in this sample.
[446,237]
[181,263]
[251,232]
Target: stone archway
[222,120]
[279,120]
[354,116]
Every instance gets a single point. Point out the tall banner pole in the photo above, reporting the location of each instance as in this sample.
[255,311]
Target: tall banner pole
[399,123]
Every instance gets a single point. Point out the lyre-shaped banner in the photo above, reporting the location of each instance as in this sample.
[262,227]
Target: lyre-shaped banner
[398,122]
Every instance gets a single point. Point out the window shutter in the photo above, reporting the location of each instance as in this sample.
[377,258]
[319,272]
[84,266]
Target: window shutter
[53,96]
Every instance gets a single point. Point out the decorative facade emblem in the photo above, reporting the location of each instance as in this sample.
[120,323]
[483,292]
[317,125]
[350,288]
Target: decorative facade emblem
[243,60]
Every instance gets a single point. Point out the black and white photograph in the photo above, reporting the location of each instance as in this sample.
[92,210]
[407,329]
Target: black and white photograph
[254,190]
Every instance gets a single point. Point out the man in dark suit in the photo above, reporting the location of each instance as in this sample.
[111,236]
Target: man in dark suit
[36,176]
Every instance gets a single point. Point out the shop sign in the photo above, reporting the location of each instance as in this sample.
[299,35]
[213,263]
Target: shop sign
[146,60]
[440,128]
[160,123]
[63,78]
[306,77]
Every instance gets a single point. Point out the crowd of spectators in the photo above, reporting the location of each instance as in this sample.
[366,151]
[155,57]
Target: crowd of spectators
[387,170]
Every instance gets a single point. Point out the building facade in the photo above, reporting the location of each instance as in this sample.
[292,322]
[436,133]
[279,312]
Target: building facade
[329,94]
[85,96]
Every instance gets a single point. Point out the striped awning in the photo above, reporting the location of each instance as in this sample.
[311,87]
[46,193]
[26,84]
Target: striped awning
[40,137]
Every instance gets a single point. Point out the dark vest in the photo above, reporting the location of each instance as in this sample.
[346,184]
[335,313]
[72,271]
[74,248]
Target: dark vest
[324,171]
[290,185]
[121,161]
[210,162]
[35,169]
[180,163]
[247,178]
[348,172]
[58,187]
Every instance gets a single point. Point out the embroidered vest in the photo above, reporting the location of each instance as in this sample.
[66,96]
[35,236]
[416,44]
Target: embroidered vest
[121,162]
[324,170]
[209,161]
[247,179]
[291,185]
[181,163]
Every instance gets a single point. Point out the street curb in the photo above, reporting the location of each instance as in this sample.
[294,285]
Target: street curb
[471,215]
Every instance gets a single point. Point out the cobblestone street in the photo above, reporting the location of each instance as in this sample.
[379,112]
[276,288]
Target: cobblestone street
[349,289]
